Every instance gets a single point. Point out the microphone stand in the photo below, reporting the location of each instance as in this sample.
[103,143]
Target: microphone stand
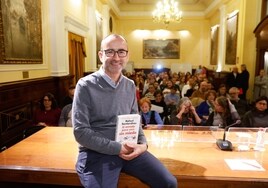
[224,144]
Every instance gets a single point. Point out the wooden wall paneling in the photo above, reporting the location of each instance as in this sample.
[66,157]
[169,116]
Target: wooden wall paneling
[18,101]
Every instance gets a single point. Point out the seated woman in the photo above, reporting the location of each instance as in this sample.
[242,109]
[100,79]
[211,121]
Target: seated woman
[224,113]
[159,102]
[222,91]
[66,116]
[185,114]
[149,116]
[49,112]
[258,116]
[206,107]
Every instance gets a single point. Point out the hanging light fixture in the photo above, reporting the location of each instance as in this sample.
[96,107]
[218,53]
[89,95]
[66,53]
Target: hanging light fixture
[167,11]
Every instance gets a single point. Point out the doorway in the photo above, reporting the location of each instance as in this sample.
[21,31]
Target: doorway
[77,54]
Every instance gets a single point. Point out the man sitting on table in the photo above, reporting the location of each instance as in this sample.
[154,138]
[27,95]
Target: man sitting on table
[99,99]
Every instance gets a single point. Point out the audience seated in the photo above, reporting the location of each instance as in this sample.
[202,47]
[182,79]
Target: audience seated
[148,116]
[188,89]
[150,93]
[69,98]
[172,99]
[222,91]
[167,90]
[224,113]
[198,96]
[258,116]
[185,114]
[206,107]
[151,78]
[159,102]
[241,105]
[49,112]
[66,116]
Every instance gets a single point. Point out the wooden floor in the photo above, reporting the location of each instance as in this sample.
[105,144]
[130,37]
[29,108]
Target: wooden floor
[49,156]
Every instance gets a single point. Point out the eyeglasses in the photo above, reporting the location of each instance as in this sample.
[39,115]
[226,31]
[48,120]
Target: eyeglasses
[111,53]
[262,103]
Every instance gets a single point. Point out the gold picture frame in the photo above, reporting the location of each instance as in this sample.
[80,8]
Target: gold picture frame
[161,49]
[214,45]
[231,40]
[20,32]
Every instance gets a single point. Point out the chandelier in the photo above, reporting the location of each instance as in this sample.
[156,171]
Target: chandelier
[167,11]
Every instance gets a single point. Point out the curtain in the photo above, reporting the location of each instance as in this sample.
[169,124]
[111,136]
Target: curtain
[77,54]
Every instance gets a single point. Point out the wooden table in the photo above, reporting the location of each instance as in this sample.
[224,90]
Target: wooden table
[49,156]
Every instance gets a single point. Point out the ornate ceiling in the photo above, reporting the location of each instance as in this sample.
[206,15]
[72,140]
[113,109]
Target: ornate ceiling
[149,5]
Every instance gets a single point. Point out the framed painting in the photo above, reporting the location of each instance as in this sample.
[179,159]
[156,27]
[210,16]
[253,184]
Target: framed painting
[214,45]
[161,49]
[99,35]
[231,40]
[20,32]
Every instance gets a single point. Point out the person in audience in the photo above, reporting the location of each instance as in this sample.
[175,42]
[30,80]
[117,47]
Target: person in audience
[156,86]
[188,89]
[222,91]
[99,98]
[182,83]
[159,102]
[198,96]
[69,98]
[149,116]
[150,80]
[198,70]
[206,107]
[176,82]
[224,113]
[167,90]
[49,112]
[260,85]
[150,93]
[172,99]
[163,84]
[233,78]
[139,85]
[258,115]
[244,79]
[66,116]
[240,105]
[185,114]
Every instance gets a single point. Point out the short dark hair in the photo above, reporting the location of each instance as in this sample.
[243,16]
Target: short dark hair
[262,98]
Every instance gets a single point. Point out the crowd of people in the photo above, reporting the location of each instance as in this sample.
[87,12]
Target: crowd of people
[164,98]
[192,99]
[51,113]
[179,99]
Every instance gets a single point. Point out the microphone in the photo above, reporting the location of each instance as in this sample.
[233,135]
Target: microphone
[224,144]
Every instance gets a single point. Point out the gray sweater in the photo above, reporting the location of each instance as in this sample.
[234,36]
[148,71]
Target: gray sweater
[95,108]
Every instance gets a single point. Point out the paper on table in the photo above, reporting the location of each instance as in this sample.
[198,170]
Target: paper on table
[156,108]
[244,164]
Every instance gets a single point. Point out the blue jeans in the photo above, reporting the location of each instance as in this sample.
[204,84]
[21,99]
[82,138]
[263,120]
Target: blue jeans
[97,170]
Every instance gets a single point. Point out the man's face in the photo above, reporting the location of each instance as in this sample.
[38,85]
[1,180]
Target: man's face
[114,55]
[203,86]
[233,94]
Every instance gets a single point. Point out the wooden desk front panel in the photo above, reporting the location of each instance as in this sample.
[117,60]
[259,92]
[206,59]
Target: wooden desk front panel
[49,156]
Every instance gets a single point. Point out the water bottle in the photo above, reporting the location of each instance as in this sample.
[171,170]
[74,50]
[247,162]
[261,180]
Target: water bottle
[260,140]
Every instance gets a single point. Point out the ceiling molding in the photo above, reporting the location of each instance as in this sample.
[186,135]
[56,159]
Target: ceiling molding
[143,13]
